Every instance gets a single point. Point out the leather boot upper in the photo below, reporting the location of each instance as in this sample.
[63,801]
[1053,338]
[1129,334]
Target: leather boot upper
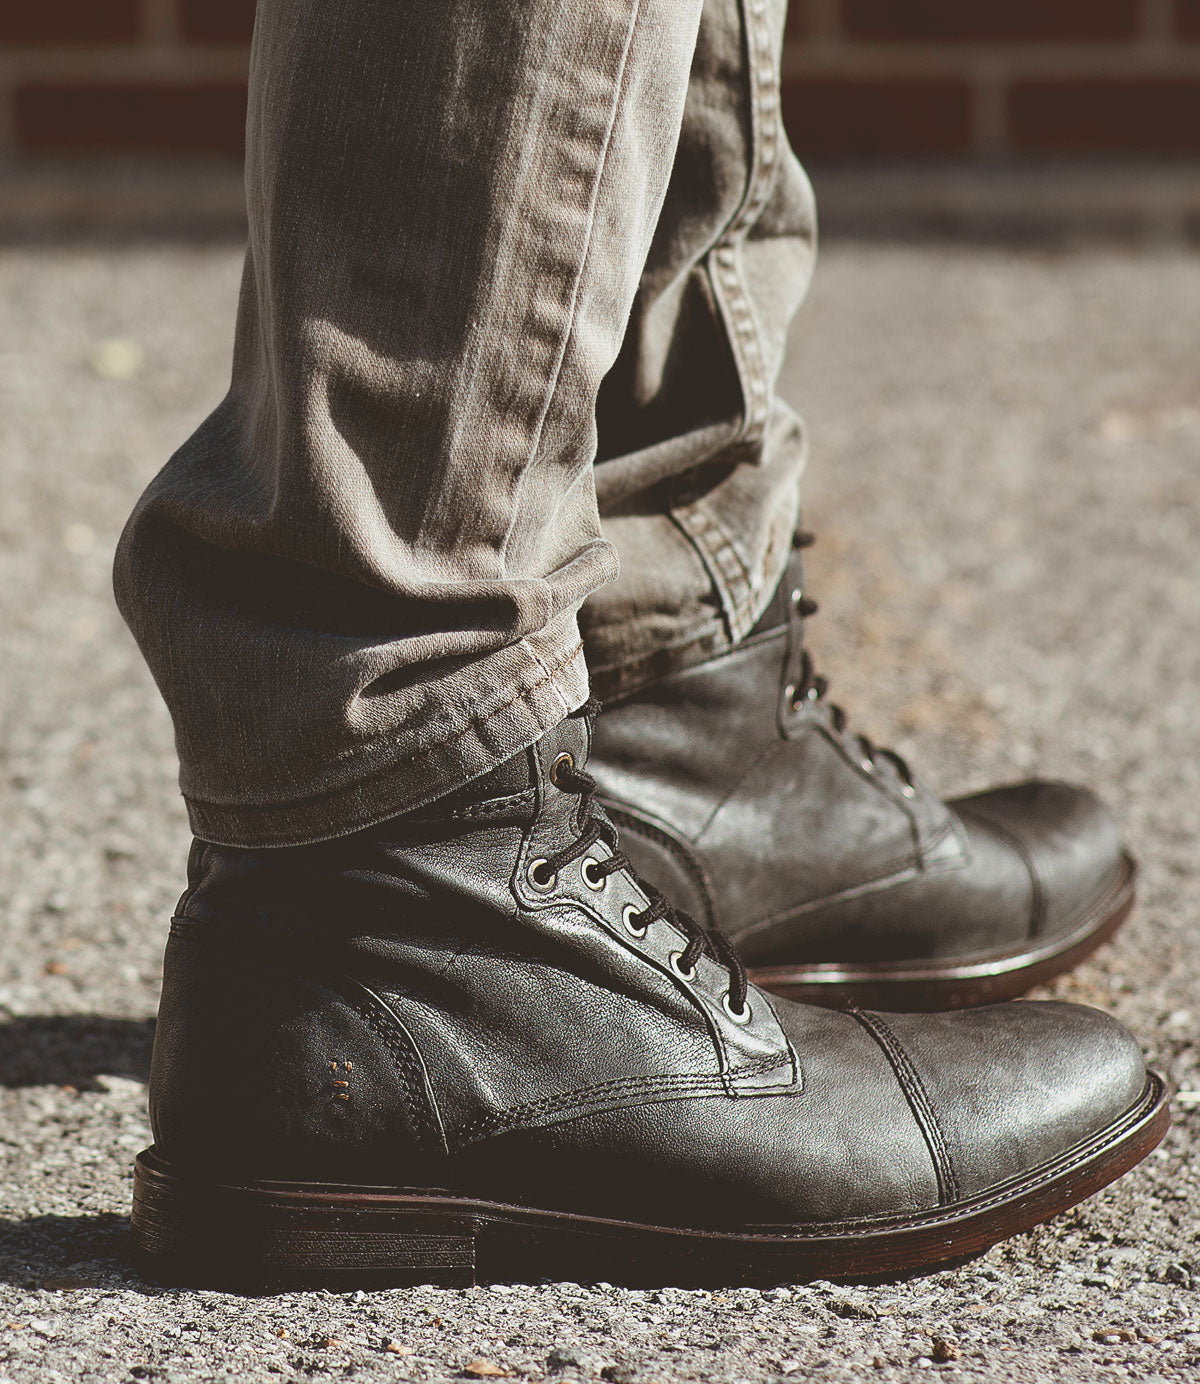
[741,786]
[421,1005]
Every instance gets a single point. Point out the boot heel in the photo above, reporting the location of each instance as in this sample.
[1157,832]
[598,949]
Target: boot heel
[189,1230]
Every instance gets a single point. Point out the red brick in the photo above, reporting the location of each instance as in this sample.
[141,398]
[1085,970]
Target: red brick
[1187,18]
[216,21]
[966,21]
[856,118]
[68,23]
[133,119]
[1106,117]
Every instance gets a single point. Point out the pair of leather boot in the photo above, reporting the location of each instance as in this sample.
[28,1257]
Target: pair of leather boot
[492,1039]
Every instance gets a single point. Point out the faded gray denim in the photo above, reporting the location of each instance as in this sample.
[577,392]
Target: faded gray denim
[518,281]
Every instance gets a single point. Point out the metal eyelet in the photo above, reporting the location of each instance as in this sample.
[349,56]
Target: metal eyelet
[562,761]
[596,884]
[797,596]
[908,791]
[543,886]
[868,765]
[631,910]
[739,1017]
[678,969]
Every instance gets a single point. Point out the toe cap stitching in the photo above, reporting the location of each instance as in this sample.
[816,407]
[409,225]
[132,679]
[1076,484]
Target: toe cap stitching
[918,1100]
[1037,905]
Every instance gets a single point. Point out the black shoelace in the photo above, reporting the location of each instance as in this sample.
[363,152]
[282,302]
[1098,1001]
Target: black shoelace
[567,776]
[812,687]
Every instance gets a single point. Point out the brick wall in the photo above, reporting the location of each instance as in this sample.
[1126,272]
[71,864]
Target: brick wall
[81,77]
[863,78]
[987,78]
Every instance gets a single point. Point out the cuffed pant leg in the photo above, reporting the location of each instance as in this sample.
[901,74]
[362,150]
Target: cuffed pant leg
[357,583]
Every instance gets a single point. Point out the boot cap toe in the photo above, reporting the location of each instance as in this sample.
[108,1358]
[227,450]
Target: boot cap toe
[1015,1086]
[1068,839]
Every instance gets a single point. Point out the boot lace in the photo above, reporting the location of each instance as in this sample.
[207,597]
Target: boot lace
[812,687]
[567,776]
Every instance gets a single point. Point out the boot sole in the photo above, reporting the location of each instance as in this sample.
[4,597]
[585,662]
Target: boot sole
[262,1236]
[917,987]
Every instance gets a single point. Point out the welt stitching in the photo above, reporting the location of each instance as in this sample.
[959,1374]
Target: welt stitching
[869,1226]
[918,1099]
[607,1089]
[695,871]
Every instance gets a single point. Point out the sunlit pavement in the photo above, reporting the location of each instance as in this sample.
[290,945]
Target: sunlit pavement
[1006,483]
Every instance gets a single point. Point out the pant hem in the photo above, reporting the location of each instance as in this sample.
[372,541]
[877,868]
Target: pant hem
[406,782]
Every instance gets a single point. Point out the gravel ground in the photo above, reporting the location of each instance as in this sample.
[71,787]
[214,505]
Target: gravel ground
[1005,482]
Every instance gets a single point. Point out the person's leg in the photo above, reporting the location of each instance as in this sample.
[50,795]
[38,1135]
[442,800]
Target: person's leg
[719,753]
[699,460]
[357,583]
[445,1044]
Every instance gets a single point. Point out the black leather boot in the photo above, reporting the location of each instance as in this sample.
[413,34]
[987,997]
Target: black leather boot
[834,872]
[472,1043]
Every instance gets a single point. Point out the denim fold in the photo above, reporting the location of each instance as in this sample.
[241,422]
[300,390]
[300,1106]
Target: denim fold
[501,417]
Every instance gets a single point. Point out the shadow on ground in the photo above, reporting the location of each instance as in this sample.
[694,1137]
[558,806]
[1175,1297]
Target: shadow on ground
[73,1050]
[68,1252]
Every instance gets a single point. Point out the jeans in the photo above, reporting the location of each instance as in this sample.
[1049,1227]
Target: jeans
[502,413]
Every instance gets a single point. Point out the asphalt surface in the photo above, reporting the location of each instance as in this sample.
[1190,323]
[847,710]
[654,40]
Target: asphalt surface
[1005,480]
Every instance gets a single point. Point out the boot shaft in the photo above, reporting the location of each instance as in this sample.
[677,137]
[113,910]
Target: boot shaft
[378,1005]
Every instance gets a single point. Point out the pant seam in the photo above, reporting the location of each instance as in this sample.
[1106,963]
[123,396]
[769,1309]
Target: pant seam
[722,268]
[556,374]
[721,263]
[725,564]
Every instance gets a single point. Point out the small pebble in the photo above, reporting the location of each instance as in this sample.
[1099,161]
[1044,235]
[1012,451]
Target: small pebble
[486,1369]
[944,1351]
